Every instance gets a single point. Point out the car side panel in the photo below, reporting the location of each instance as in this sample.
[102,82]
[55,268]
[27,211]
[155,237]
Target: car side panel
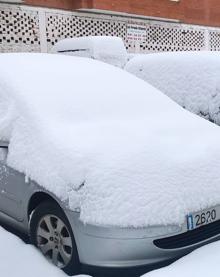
[13,192]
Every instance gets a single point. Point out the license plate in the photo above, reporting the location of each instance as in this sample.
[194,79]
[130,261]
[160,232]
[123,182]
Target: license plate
[198,219]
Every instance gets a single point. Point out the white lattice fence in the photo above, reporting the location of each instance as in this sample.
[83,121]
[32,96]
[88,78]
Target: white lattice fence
[31,29]
[214,39]
[173,38]
[61,26]
[19,29]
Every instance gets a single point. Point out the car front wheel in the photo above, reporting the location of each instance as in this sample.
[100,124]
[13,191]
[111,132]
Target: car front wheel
[51,233]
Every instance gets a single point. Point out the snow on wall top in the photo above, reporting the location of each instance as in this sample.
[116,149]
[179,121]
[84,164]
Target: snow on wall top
[141,158]
[189,78]
[104,48]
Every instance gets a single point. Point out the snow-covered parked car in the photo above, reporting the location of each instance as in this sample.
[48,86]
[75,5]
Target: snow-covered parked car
[108,49]
[192,79]
[101,169]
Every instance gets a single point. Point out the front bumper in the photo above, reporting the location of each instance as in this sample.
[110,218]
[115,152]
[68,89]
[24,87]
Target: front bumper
[136,271]
[119,248]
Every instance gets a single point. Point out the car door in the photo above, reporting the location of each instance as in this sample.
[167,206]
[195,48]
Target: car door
[12,186]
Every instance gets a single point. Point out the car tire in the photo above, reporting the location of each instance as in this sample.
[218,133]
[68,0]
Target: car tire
[52,234]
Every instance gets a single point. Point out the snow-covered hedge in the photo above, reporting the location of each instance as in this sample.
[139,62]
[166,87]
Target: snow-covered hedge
[104,48]
[192,79]
[115,147]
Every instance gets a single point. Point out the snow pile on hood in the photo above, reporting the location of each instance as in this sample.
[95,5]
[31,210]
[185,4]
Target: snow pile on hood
[192,79]
[202,262]
[115,147]
[104,48]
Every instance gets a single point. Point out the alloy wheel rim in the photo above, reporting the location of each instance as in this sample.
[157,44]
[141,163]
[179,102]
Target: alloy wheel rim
[54,240]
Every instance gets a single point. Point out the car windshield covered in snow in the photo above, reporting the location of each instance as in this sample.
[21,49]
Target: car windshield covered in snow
[110,144]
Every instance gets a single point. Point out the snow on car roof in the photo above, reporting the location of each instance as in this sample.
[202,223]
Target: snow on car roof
[108,49]
[189,78]
[119,150]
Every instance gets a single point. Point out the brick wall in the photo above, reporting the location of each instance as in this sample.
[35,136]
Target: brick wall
[202,12]
[61,4]
[160,8]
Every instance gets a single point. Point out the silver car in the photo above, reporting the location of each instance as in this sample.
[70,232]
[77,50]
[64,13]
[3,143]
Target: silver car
[75,247]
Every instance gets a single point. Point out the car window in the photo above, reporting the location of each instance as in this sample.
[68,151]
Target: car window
[3,153]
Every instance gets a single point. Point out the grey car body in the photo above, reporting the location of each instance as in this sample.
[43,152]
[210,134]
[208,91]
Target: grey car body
[106,246]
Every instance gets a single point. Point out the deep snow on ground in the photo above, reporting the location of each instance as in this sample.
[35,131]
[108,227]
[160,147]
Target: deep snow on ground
[203,262]
[192,79]
[18,259]
[118,149]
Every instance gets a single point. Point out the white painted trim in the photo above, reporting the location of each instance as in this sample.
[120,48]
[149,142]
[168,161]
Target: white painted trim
[42,29]
[207,40]
[123,14]
[11,1]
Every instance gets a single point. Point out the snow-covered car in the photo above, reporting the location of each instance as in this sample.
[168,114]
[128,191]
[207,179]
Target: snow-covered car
[101,169]
[108,49]
[189,78]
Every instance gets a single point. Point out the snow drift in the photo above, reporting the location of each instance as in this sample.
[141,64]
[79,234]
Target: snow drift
[189,78]
[20,260]
[104,48]
[202,262]
[115,147]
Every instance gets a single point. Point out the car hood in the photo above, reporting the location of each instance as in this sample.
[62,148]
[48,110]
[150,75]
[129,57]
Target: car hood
[116,148]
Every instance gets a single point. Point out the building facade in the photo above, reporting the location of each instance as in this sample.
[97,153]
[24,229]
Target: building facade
[144,25]
[202,12]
